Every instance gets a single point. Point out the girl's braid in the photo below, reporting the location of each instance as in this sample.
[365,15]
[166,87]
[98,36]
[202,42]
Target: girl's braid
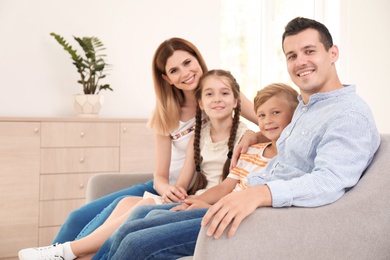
[200,178]
[233,134]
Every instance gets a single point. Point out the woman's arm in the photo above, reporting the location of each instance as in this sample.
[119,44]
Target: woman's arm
[163,160]
[188,170]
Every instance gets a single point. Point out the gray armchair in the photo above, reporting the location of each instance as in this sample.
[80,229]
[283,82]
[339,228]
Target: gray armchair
[355,227]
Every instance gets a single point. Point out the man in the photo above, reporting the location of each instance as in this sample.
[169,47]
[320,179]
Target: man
[327,146]
[322,153]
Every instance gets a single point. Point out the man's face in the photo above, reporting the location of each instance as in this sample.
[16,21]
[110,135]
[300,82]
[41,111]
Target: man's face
[310,66]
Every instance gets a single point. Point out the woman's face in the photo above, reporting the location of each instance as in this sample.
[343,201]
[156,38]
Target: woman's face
[183,71]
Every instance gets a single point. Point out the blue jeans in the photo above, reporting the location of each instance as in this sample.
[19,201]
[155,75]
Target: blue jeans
[153,232]
[79,224]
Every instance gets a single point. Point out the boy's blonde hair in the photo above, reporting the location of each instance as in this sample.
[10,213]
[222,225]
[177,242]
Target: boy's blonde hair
[276,89]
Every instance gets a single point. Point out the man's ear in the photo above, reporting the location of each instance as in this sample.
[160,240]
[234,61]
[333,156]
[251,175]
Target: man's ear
[334,51]
[166,79]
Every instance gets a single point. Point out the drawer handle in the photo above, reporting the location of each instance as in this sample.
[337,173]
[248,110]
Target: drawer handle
[36,130]
[82,159]
[125,129]
[81,186]
[82,134]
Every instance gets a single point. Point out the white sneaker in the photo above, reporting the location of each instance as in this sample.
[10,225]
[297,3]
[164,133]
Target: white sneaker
[53,252]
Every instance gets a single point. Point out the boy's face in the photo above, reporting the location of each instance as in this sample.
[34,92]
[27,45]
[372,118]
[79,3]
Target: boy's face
[310,66]
[273,116]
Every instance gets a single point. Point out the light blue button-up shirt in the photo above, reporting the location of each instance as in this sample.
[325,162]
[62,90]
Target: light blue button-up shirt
[322,152]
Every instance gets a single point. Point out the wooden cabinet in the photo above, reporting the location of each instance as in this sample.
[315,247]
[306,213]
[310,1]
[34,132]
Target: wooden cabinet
[19,189]
[49,162]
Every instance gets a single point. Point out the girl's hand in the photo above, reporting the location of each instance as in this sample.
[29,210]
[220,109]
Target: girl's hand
[191,204]
[174,194]
[196,204]
[180,207]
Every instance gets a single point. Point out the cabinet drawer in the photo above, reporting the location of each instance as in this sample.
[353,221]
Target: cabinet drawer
[54,213]
[73,160]
[137,148]
[63,186]
[71,134]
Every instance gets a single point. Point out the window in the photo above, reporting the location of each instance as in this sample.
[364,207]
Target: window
[251,37]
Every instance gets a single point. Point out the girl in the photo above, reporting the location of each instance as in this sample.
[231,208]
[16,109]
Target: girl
[177,66]
[208,152]
[165,234]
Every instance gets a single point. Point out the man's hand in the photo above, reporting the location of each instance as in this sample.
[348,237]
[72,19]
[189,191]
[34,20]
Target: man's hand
[233,208]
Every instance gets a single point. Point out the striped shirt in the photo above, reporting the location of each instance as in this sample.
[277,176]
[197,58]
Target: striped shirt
[252,161]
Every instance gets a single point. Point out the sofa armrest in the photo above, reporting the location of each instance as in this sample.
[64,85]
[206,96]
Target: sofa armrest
[106,183]
[355,227]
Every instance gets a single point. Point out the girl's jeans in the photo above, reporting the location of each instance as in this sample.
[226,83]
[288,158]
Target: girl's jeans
[154,232]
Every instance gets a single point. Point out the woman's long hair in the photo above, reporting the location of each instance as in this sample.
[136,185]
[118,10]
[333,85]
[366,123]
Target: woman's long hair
[200,179]
[169,99]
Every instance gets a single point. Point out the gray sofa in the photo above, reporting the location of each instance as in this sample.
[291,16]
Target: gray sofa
[355,227]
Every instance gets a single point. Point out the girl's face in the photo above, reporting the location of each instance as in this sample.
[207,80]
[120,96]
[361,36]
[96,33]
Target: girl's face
[273,116]
[183,71]
[217,98]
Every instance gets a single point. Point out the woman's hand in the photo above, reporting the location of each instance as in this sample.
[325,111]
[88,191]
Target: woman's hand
[174,194]
[249,138]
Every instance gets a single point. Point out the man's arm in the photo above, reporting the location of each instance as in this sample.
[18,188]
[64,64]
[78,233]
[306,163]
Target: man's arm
[235,207]
[333,164]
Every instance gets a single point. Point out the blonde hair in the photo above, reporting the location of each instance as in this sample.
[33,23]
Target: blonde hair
[200,178]
[276,89]
[169,99]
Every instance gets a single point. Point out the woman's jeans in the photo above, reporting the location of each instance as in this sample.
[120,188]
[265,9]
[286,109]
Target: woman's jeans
[154,232]
[79,223]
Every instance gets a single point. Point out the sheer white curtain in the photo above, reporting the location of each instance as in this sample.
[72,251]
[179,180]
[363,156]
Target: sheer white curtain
[251,33]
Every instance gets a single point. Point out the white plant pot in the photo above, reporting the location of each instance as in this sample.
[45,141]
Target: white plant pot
[88,105]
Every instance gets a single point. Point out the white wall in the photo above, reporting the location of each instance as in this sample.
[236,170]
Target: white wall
[365,39]
[38,79]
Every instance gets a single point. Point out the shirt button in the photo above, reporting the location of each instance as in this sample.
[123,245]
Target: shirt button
[304,109]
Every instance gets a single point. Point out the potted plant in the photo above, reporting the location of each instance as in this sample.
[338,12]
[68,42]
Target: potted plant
[91,68]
